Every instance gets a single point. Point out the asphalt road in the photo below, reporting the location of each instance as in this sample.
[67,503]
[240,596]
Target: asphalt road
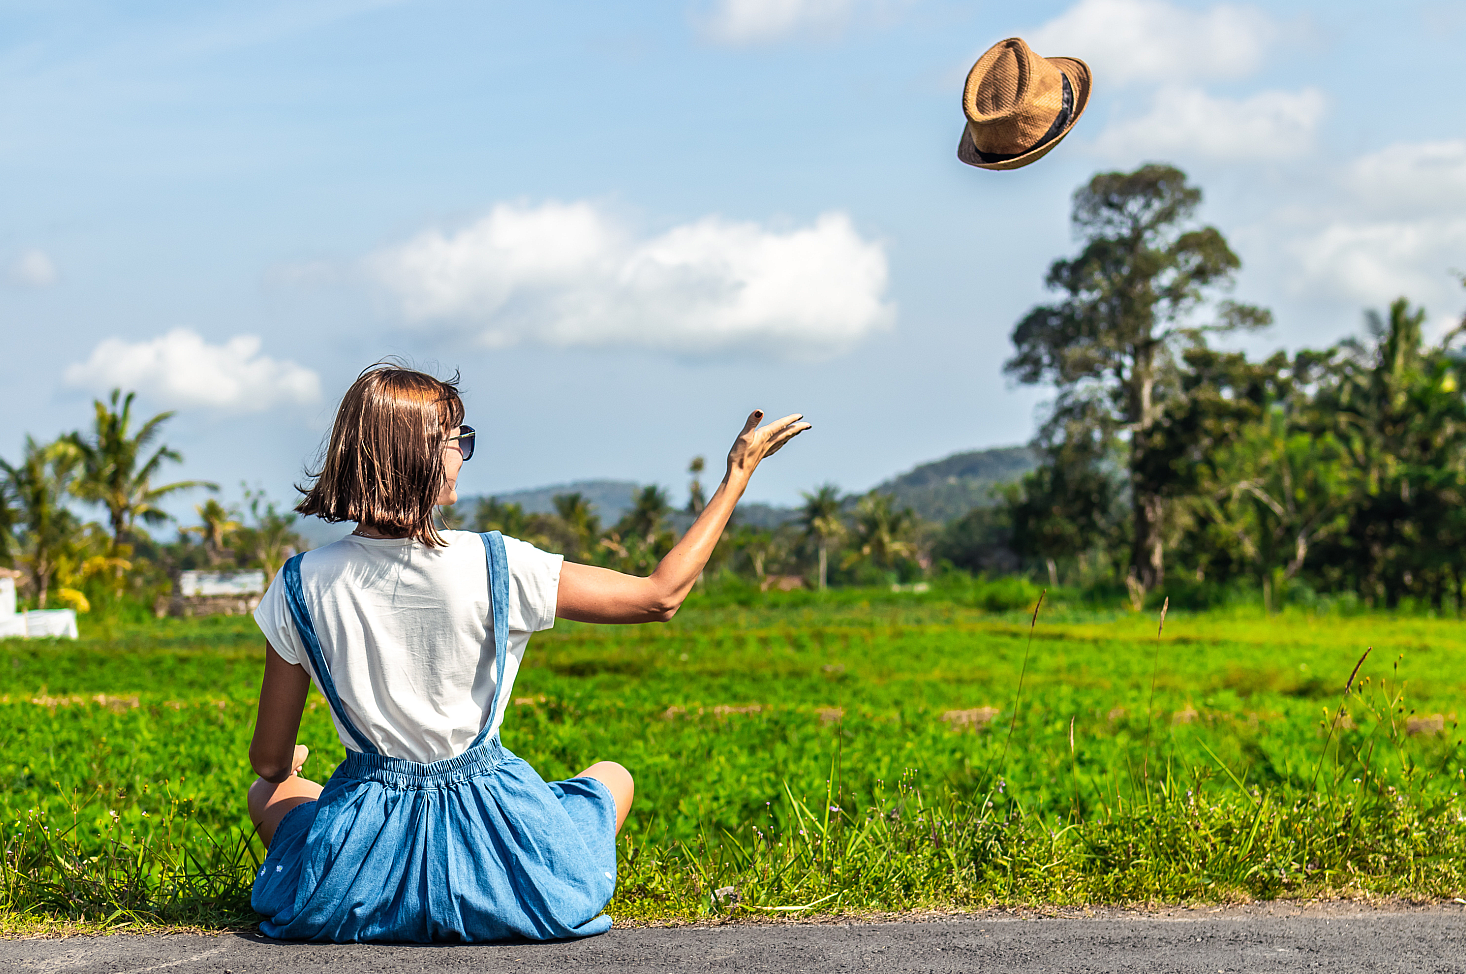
[1271,937]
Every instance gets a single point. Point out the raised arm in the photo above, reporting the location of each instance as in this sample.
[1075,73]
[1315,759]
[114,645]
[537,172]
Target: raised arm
[590,594]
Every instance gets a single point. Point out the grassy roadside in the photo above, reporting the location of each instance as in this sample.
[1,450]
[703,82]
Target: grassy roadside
[856,756]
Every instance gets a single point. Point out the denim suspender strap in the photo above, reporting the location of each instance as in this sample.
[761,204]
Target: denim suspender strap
[295,599]
[498,564]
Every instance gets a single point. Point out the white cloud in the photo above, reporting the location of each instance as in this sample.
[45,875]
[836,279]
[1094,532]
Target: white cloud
[1152,40]
[1423,177]
[1398,230]
[763,21]
[1375,262]
[181,369]
[1187,121]
[567,275]
[34,268]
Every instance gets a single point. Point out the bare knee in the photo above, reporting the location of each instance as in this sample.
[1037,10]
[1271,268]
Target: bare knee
[269,802]
[618,782]
[259,796]
[614,776]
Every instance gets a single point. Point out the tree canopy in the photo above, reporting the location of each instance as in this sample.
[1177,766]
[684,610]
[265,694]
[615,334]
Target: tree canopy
[1146,286]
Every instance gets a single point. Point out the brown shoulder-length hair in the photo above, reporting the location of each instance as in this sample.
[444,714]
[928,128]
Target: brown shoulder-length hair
[383,465]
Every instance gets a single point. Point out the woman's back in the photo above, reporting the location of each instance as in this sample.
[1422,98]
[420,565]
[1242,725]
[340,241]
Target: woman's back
[406,631]
[430,829]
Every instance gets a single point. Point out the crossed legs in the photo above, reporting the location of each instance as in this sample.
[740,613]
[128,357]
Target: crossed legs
[270,801]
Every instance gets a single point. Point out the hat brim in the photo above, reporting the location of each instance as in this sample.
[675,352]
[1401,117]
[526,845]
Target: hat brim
[1079,79]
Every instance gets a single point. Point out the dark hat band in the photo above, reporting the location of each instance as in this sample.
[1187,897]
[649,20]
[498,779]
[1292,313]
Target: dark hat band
[1061,121]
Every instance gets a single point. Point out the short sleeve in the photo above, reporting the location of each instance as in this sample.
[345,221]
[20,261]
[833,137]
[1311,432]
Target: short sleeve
[272,615]
[534,585]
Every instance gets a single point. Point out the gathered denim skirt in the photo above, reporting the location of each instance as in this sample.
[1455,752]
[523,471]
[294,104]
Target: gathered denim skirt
[475,848]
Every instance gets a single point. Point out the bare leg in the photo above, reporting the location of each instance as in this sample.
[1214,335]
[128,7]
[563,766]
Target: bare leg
[618,780]
[269,801]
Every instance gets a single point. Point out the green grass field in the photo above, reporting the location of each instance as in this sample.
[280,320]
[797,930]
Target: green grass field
[849,752]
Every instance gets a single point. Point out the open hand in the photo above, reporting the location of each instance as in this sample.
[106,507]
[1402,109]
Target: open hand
[757,442]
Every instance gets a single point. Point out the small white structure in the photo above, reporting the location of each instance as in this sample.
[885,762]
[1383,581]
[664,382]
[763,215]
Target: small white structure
[45,622]
[213,593]
[235,585]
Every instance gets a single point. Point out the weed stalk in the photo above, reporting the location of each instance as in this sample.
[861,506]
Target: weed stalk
[1018,696]
[1155,664]
[1338,715]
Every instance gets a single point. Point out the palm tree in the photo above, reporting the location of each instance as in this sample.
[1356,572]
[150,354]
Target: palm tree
[39,485]
[217,524]
[496,515]
[113,473]
[511,520]
[765,550]
[820,517]
[696,498]
[271,538]
[649,507]
[579,521]
[882,532]
[9,521]
[638,540]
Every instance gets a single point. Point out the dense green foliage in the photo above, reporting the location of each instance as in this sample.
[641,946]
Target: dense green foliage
[801,746]
[1340,470]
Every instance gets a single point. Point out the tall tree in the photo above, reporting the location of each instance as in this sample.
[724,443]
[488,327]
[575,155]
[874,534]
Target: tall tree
[697,498]
[513,521]
[649,507]
[579,526]
[269,538]
[819,515]
[1395,404]
[9,521]
[217,524]
[1130,302]
[493,514]
[1261,487]
[114,473]
[1070,504]
[39,485]
[883,532]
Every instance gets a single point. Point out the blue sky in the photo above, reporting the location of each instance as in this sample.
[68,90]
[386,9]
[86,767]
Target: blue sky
[627,224]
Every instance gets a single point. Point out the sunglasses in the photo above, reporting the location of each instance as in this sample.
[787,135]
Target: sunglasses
[464,441]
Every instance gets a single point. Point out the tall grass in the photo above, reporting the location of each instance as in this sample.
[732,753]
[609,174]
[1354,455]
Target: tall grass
[178,874]
[1205,834]
[1182,842]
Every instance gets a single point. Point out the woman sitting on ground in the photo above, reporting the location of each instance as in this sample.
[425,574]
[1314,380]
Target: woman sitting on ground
[431,830]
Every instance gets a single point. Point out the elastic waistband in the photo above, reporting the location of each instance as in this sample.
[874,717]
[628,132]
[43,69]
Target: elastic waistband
[478,760]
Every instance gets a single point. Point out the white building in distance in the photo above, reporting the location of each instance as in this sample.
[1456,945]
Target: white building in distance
[43,622]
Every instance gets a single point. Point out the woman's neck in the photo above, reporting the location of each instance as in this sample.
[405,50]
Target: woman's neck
[365,530]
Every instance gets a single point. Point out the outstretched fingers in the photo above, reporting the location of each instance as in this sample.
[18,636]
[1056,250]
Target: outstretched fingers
[785,435]
[756,442]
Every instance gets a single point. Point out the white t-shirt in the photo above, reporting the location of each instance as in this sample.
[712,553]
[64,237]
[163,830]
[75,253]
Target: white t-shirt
[406,631]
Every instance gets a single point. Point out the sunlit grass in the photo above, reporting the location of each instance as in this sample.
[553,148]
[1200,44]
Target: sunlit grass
[822,754]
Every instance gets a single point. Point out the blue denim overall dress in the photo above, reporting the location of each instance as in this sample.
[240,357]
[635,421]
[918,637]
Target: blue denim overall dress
[473,848]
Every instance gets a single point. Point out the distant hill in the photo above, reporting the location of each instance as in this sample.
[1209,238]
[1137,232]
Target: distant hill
[949,488]
[936,491]
[610,498]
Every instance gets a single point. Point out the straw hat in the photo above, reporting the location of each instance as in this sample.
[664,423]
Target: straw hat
[1019,105]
